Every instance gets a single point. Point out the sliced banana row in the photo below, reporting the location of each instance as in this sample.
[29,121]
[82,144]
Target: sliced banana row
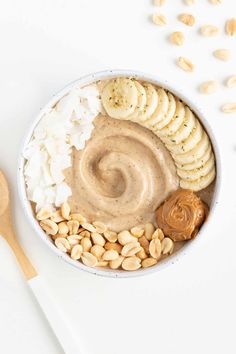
[171,120]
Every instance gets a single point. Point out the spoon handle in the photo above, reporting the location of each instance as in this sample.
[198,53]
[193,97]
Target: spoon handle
[58,323]
[55,318]
[24,262]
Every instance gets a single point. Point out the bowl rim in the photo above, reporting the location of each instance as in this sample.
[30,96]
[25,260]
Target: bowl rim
[88,79]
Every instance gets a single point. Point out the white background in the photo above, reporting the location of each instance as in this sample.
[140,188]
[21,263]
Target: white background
[186,308]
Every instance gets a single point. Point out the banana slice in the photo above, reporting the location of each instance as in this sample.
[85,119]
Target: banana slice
[161,110]
[174,124]
[199,172]
[142,100]
[151,104]
[198,163]
[142,97]
[200,183]
[194,154]
[169,115]
[184,131]
[190,143]
[120,97]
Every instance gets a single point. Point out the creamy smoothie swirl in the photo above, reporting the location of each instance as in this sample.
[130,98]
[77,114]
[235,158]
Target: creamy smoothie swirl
[122,175]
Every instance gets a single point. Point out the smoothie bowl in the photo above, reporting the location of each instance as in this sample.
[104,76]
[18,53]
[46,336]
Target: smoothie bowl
[119,174]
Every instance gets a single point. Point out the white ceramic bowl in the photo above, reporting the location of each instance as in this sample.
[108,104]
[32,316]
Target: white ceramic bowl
[27,206]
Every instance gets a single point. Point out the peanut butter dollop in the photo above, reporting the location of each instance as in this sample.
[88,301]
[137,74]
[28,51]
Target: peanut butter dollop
[181,215]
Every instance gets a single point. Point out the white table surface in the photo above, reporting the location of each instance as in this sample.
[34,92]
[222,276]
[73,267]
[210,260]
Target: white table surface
[186,308]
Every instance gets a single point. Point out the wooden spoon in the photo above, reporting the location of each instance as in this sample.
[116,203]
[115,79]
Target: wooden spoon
[7,231]
[55,318]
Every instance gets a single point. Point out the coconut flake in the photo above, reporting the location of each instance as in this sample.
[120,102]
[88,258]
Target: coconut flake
[63,192]
[69,124]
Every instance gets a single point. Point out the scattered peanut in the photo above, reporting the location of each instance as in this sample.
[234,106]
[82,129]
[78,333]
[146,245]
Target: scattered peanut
[189,2]
[89,259]
[111,236]
[100,227]
[222,54]
[116,263]
[113,246]
[62,244]
[65,211]
[149,262]
[137,231]
[86,244]
[187,19]
[185,64]
[44,213]
[155,248]
[231,81]
[167,246]
[73,227]
[229,107]
[209,87]
[98,239]
[149,229]
[97,251]
[74,239]
[76,252]
[159,2]
[177,38]
[159,19]
[63,228]
[110,255]
[158,234]
[144,243]
[78,217]
[216,2]
[126,237]
[57,217]
[209,30]
[130,249]
[230,27]
[131,263]
[49,226]
[102,263]
[54,237]
[85,233]
[142,254]
[88,227]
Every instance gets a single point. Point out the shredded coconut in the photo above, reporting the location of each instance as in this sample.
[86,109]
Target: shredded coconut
[69,124]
